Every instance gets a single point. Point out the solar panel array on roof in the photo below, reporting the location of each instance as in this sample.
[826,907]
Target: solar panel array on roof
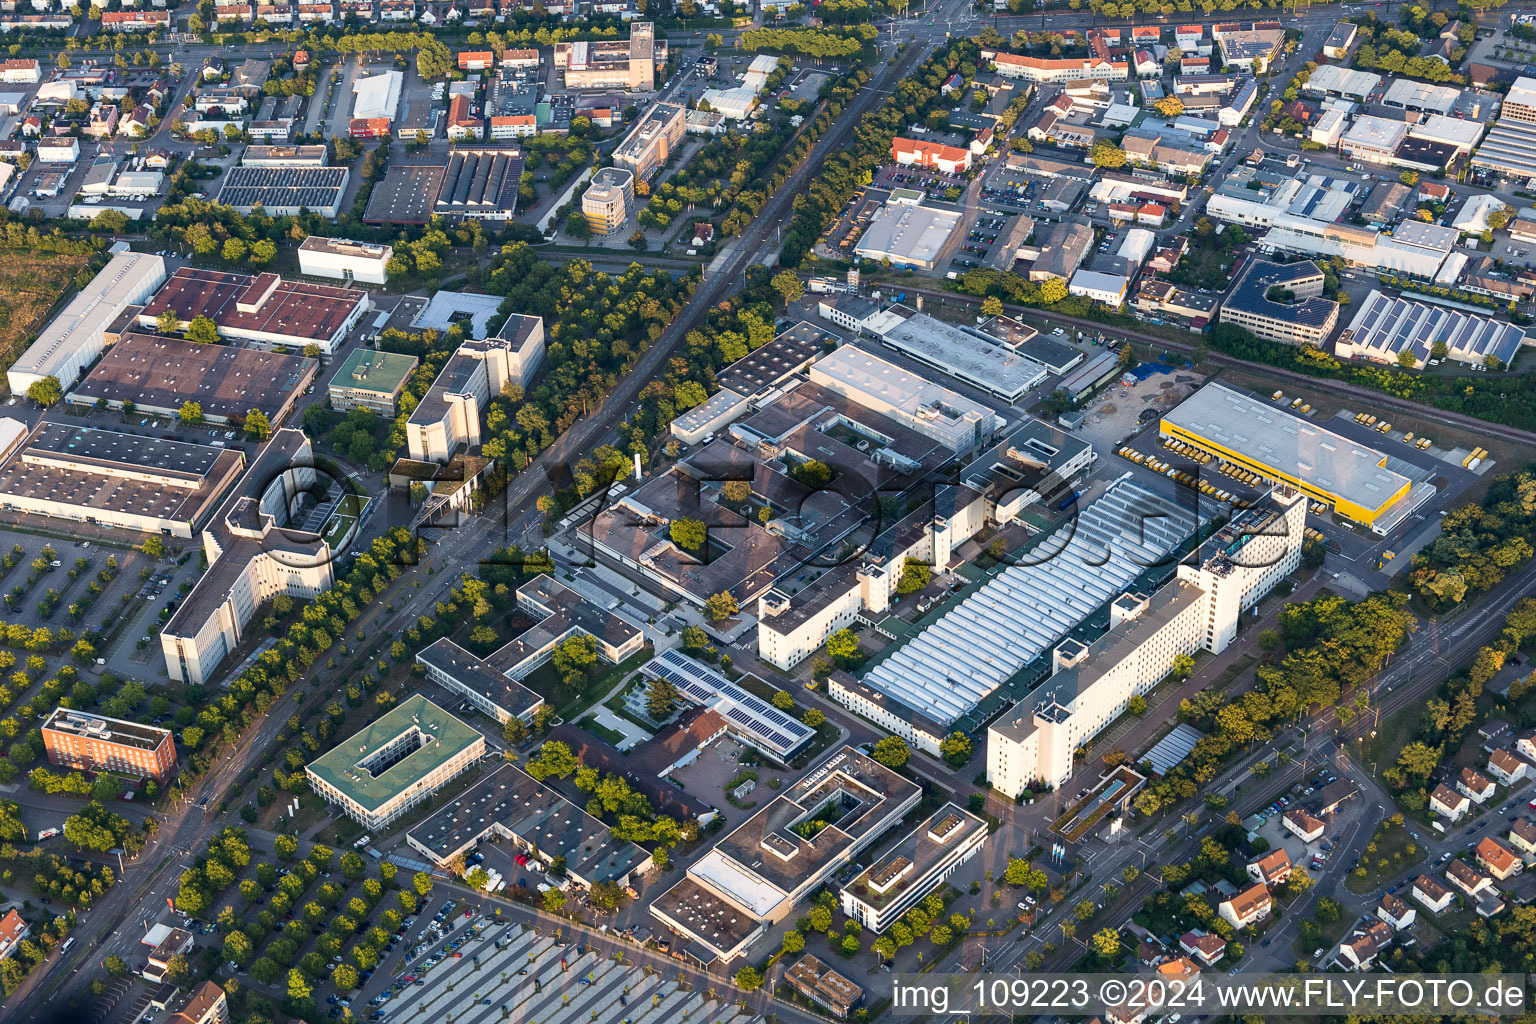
[1387,325]
[769,727]
[948,668]
[317,188]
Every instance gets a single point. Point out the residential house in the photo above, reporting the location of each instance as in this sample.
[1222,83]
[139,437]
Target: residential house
[1272,869]
[1498,858]
[1468,879]
[1507,768]
[1247,908]
[1203,946]
[1448,803]
[12,930]
[1395,910]
[1303,825]
[1432,894]
[1475,785]
[1522,835]
[1360,949]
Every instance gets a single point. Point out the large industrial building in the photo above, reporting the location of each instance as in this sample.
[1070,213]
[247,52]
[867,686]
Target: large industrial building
[1350,478]
[95,743]
[629,66]
[1297,315]
[410,752]
[754,877]
[254,553]
[908,236]
[73,339]
[285,191]
[651,141]
[262,309]
[154,374]
[1091,684]
[1388,327]
[345,260]
[449,413]
[1509,149]
[115,479]
[914,401]
[377,96]
[969,356]
[480,184]
[919,689]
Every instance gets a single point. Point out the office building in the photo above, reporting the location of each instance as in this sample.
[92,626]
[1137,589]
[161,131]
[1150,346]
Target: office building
[1091,684]
[345,260]
[628,66]
[1347,476]
[823,986]
[262,309]
[254,553]
[95,743]
[1296,314]
[76,336]
[535,820]
[755,876]
[607,201]
[651,141]
[493,684]
[449,413]
[373,380]
[407,754]
[913,868]
[1046,69]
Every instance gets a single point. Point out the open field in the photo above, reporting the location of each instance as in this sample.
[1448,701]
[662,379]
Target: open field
[32,285]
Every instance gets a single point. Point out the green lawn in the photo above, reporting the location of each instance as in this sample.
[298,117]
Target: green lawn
[1390,858]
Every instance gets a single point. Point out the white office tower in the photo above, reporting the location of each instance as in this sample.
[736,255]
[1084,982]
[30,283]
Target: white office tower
[1031,747]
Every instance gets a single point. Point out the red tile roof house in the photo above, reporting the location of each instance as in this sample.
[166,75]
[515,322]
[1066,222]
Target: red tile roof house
[1468,879]
[1272,869]
[932,155]
[1507,768]
[1432,894]
[1522,835]
[1448,803]
[1248,907]
[1498,859]
[1475,784]
[12,930]
[1359,951]
[1303,825]
[1395,910]
[1203,946]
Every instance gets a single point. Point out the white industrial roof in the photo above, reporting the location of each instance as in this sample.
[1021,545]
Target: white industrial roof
[948,668]
[856,372]
[1405,92]
[88,313]
[377,95]
[1137,244]
[1523,92]
[1098,281]
[1289,444]
[1333,78]
[1376,132]
[911,233]
[981,362]
[1473,217]
[1457,131]
[1426,236]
